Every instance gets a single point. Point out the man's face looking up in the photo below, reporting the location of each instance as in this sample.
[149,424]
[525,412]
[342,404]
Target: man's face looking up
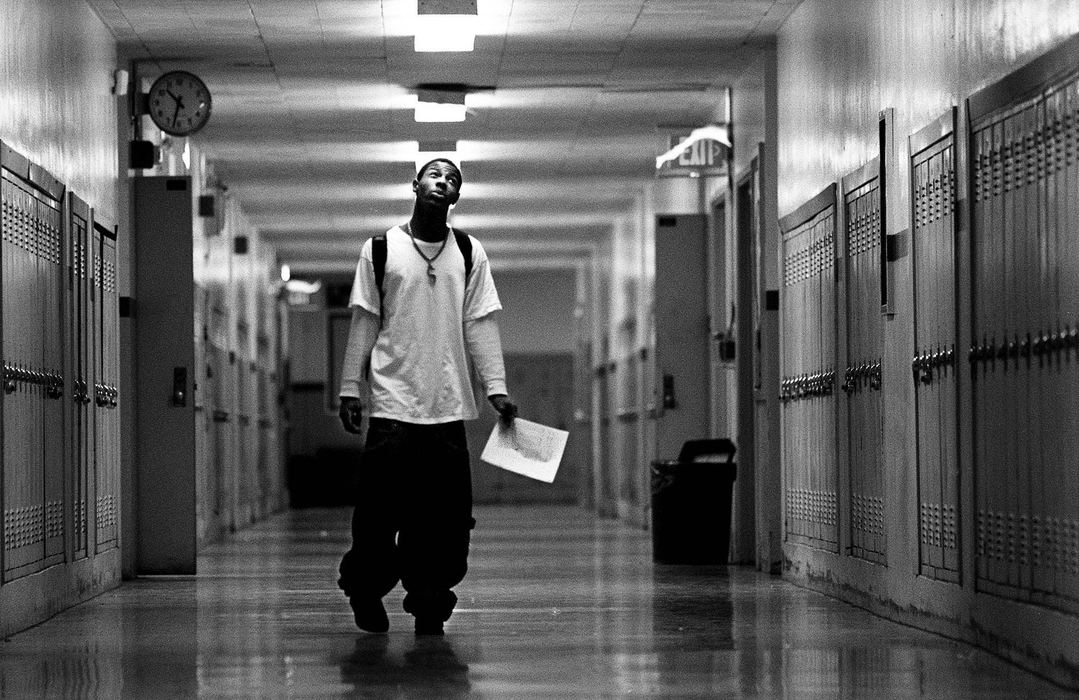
[439,183]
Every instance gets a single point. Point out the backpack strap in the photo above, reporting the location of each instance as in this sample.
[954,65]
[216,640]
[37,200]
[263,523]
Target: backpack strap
[465,244]
[378,259]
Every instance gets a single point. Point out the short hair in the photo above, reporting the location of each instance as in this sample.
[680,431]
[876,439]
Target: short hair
[423,168]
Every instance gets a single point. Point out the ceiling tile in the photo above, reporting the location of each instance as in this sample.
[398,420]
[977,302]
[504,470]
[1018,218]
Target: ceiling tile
[313,126]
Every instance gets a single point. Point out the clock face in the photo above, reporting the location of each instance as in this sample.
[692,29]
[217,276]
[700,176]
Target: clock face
[179,103]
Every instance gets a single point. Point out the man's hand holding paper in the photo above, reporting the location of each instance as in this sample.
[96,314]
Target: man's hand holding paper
[526,448]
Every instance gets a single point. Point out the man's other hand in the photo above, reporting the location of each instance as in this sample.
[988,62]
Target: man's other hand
[351,413]
[507,410]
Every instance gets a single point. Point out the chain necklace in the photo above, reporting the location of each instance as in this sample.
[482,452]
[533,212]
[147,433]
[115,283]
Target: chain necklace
[430,260]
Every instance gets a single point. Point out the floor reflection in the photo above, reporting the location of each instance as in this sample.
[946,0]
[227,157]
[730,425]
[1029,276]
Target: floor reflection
[694,601]
[425,667]
[558,603]
[692,624]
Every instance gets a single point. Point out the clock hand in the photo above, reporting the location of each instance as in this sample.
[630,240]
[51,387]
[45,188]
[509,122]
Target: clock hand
[176,112]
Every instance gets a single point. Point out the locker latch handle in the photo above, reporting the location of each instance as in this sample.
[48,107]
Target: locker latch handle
[922,365]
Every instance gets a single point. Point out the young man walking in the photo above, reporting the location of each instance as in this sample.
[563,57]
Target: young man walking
[423,305]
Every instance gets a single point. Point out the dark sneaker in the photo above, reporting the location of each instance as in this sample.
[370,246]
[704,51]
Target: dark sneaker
[370,614]
[429,626]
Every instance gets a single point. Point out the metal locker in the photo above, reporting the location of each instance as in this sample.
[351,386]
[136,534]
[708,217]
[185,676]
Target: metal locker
[269,454]
[630,492]
[1024,357]
[214,495]
[90,377]
[263,407]
[862,377]
[808,373]
[204,506]
[106,387]
[219,373]
[49,225]
[222,443]
[606,497]
[246,479]
[1049,377]
[271,445]
[933,367]
[80,440]
[33,489]
[250,457]
[23,524]
[264,456]
[993,490]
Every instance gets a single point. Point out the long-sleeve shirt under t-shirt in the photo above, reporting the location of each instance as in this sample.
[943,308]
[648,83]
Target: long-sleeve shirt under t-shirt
[419,370]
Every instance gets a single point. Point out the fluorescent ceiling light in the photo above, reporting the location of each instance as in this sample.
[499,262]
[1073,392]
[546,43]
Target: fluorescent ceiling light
[445,33]
[440,105]
[429,150]
[435,112]
[446,25]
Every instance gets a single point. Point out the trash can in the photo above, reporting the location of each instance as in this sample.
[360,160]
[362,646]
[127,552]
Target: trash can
[691,504]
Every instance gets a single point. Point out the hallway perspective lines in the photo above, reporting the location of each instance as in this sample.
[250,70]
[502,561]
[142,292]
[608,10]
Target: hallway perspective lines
[558,603]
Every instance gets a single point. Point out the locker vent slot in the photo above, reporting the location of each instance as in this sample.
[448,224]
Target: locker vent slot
[54,519]
[106,512]
[819,507]
[23,527]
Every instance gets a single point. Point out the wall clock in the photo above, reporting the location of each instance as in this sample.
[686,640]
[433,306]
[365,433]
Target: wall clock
[179,103]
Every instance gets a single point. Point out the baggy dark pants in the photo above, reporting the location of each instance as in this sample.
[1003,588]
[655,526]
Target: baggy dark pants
[413,517]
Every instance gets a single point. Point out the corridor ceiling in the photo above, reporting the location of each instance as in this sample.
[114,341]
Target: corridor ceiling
[313,126]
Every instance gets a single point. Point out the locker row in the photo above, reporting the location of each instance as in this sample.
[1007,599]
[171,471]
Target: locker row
[60,341]
[1017,246]
[238,438]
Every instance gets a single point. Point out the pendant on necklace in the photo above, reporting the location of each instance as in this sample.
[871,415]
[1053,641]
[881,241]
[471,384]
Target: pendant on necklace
[431,272]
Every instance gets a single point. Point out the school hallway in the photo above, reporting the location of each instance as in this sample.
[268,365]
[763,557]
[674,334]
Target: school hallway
[558,603]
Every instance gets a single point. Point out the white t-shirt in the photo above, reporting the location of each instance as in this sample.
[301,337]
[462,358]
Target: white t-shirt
[419,370]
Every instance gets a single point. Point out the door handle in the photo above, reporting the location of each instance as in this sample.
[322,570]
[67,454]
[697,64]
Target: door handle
[179,387]
[669,399]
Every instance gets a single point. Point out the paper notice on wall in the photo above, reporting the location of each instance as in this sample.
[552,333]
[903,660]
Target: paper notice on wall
[526,448]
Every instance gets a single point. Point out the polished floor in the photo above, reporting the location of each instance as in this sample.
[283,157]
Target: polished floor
[557,604]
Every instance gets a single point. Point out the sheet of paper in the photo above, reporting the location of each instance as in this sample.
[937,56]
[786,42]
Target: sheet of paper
[526,448]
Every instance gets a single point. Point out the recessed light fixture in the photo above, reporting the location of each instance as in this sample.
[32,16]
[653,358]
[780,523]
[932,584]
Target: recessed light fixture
[427,151]
[446,25]
[440,105]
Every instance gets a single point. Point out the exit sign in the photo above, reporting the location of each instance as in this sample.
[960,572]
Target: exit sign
[706,157]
